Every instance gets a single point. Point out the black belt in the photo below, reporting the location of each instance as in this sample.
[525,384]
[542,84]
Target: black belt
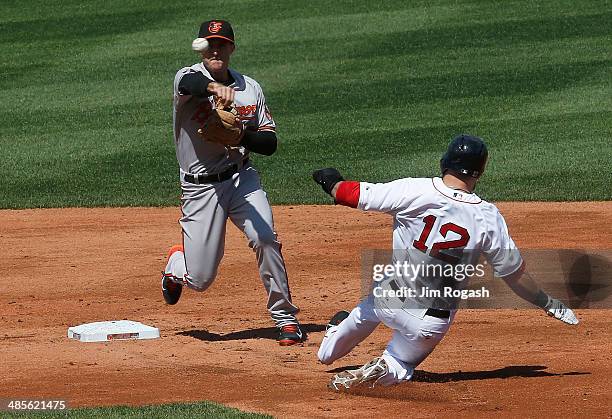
[214,177]
[433,312]
[441,314]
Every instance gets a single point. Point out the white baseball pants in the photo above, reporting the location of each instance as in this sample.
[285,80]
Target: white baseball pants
[415,336]
[206,208]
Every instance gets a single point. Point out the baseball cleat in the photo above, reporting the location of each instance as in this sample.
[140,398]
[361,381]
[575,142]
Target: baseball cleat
[370,373]
[337,319]
[171,288]
[290,334]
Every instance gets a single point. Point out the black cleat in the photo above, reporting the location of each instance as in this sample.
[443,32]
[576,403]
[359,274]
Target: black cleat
[172,290]
[338,318]
[171,287]
[290,334]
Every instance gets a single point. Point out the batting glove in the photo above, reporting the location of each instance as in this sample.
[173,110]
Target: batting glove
[327,178]
[558,310]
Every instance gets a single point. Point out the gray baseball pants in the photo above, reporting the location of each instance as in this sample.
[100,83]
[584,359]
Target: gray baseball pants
[206,208]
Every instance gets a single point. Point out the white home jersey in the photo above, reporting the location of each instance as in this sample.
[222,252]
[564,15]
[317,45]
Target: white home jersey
[440,223]
[440,226]
[196,155]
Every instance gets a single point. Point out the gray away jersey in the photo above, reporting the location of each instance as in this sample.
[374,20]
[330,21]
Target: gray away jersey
[196,155]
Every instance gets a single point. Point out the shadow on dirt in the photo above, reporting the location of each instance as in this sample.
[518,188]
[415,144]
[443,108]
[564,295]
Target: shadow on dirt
[419,392]
[524,371]
[259,333]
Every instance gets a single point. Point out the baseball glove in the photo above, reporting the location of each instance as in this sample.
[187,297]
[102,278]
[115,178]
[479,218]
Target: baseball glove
[222,127]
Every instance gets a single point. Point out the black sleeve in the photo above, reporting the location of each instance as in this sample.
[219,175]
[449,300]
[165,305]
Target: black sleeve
[194,84]
[261,142]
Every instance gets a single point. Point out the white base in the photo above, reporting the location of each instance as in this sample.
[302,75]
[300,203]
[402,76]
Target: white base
[112,330]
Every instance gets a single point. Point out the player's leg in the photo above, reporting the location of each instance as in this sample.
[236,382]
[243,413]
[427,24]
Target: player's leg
[413,339]
[203,225]
[250,211]
[341,339]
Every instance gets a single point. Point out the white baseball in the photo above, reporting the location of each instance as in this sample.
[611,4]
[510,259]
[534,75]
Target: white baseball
[199,44]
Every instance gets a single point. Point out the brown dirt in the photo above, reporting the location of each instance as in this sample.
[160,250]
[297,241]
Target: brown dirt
[67,267]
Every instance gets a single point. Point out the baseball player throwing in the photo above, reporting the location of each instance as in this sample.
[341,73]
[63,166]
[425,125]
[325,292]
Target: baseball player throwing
[437,219]
[218,181]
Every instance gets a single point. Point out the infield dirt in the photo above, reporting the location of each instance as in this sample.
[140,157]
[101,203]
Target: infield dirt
[64,267]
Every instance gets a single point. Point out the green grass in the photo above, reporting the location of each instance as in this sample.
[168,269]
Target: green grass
[185,410]
[376,89]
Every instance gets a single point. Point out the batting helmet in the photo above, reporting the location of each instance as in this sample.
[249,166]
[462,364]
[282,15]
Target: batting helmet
[466,155]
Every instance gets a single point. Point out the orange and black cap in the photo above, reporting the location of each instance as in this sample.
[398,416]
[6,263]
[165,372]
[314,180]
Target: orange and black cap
[216,29]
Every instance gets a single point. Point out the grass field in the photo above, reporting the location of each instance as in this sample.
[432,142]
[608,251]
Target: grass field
[374,88]
[203,410]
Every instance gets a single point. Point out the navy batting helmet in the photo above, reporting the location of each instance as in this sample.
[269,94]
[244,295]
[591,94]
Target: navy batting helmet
[466,155]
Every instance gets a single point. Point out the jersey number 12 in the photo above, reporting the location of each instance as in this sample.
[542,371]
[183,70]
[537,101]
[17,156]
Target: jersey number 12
[436,248]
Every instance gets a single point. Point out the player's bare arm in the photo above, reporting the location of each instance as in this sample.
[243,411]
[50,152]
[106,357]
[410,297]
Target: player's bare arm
[334,190]
[523,285]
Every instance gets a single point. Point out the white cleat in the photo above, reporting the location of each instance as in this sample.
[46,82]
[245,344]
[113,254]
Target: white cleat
[370,373]
[559,311]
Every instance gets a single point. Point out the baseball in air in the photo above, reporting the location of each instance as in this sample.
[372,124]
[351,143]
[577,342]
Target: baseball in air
[199,44]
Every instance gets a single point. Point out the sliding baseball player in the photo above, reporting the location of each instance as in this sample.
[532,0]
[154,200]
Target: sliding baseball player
[437,220]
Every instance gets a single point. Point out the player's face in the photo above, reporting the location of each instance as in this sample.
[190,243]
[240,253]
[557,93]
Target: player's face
[216,58]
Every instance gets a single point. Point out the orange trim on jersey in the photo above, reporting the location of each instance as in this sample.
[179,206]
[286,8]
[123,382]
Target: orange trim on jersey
[454,199]
[266,128]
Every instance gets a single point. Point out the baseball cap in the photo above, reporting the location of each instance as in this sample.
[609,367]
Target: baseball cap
[216,28]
